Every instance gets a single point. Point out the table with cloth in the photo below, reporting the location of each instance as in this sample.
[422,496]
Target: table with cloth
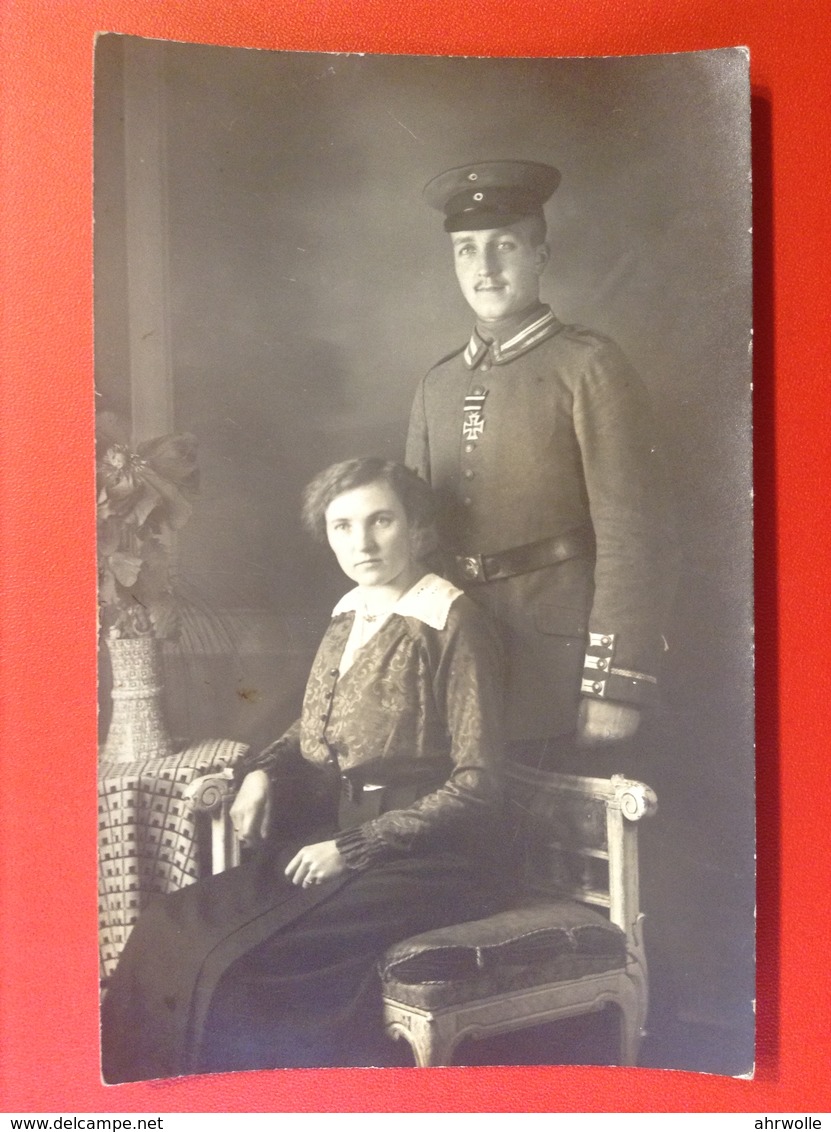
[147,835]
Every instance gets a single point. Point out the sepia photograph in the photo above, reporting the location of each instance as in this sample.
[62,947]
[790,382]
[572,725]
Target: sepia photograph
[424,500]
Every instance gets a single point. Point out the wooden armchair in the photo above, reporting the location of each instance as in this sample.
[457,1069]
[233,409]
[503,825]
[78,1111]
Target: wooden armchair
[570,944]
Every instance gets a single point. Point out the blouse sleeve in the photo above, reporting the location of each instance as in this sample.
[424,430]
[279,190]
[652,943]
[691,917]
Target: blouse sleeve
[465,665]
[278,757]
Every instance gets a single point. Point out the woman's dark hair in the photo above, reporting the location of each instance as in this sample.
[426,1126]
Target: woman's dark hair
[415,495]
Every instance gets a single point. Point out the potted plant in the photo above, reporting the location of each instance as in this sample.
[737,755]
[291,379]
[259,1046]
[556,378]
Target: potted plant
[144,496]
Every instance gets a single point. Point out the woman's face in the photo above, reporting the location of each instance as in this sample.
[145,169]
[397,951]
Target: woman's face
[369,532]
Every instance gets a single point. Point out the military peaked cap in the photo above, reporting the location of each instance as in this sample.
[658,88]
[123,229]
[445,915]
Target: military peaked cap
[491,194]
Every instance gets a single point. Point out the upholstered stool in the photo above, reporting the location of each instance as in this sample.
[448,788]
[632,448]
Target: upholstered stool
[548,957]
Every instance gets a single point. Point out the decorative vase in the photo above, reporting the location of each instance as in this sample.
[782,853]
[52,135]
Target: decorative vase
[137,728]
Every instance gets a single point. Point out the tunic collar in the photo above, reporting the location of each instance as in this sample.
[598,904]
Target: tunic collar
[514,340]
[429,600]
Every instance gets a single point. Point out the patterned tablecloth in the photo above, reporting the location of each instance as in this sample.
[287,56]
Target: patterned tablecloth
[147,840]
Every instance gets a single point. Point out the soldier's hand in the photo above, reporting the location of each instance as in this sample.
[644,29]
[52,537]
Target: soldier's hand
[601,721]
[251,809]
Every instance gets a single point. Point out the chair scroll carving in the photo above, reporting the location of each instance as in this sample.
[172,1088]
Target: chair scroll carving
[213,794]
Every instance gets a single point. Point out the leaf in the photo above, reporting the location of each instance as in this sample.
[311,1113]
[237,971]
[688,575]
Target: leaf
[173,458]
[109,537]
[107,588]
[179,508]
[147,502]
[125,567]
[164,617]
[153,583]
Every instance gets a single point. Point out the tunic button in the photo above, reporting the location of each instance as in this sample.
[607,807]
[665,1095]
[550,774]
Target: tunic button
[478,391]
[333,671]
[597,686]
[485,366]
[601,664]
[605,641]
[467,501]
[469,447]
[469,474]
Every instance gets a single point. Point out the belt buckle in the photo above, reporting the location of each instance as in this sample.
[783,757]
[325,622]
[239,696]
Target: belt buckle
[473,567]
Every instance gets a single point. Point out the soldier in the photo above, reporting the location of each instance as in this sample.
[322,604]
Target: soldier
[539,439]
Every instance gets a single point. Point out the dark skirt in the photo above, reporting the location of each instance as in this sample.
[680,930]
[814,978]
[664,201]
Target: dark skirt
[247,971]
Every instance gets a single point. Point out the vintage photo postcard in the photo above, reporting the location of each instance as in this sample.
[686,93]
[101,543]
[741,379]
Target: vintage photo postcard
[425,560]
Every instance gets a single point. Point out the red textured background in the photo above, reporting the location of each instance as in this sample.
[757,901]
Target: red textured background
[48,1020]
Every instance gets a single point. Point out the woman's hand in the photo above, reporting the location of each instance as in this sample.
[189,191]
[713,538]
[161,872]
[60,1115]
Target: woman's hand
[251,809]
[315,863]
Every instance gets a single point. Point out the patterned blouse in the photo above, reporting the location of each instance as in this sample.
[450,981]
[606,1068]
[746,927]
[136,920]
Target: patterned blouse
[417,714]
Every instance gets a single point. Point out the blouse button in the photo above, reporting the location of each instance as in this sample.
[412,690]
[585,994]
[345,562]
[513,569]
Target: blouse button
[333,671]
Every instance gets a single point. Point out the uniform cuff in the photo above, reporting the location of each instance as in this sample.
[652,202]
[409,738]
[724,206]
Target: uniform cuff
[604,679]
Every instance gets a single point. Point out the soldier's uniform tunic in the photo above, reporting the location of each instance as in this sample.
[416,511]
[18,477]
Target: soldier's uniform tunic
[541,447]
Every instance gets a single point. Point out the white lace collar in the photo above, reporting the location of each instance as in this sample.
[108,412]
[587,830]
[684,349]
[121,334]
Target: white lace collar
[429,600]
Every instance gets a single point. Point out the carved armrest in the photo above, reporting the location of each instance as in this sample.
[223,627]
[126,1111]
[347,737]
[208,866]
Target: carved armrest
[213,794]
[635,799]
[208,793]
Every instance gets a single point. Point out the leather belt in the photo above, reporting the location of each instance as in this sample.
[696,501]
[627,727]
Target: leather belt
[477,568]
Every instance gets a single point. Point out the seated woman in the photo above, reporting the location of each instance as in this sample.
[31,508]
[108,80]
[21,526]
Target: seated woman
[372,818]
